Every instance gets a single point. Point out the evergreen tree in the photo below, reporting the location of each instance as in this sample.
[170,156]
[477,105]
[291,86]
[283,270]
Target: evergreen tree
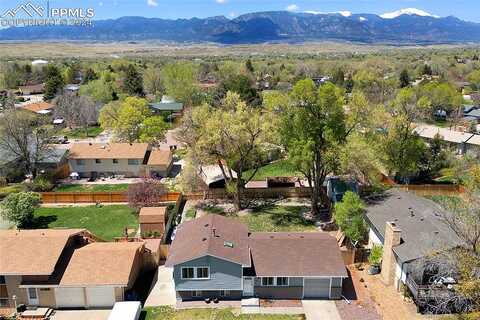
[90,75]
[54,82]
[133,83]
[249,66]
[349,84]
[339,78]
[404,79]
[427,70]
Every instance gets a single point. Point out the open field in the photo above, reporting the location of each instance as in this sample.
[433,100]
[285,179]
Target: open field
[106,222]
[72,49]
[164,313]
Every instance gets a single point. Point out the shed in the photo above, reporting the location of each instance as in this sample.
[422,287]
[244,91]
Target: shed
[153,220]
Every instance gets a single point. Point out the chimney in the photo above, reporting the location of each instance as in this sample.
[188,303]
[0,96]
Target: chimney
[392,239]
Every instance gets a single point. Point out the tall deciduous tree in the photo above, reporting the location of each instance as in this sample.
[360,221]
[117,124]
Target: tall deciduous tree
[24,136]
[152,81]
[77,111]
[312,130]
[179,80]
[234,136]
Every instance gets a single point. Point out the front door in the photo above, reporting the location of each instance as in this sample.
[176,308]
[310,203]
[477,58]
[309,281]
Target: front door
[248,286]
[32,294]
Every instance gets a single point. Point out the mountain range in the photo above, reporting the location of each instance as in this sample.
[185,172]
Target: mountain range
[400,27]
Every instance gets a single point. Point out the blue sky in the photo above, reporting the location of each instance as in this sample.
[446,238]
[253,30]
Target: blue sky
[464,9]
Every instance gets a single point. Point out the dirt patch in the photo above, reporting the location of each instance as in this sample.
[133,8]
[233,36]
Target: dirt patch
[267,303]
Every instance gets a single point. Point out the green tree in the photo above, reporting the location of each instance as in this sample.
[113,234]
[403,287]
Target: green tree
[179,81]
[242,85]
[100,90]
[69,74]
[90,75]
[249,66]
[54,82]
[133,82]
[443,96]
[19,208]
[152,80]
[153,130]
[339,78]
[404,79]
[125,119]
[312,130]
[474,78]
[348,215]
[234,136]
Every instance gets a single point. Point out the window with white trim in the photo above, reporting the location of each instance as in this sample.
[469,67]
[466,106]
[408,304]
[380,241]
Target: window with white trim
[203,273]
[282,281]
[188,273]
[268,281]
[196,294]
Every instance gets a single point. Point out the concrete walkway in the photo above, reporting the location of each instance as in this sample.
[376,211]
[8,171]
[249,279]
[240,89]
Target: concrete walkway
[320,310]
[81,315]
[163,290]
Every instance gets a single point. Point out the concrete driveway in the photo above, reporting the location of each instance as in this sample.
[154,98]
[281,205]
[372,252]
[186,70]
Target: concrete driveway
[81,315]
[320,310]
[163,289]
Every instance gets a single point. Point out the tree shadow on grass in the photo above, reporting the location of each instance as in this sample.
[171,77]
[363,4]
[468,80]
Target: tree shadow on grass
[42,222]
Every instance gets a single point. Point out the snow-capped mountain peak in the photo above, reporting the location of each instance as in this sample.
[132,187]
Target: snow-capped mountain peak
[408,11]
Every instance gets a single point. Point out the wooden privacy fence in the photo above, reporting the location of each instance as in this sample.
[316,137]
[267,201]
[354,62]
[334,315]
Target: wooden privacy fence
[433,189]
[251,193]
[94,197]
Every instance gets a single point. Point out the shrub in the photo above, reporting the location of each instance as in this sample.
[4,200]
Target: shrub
[145,194]
[349,217]
[3,181]
[375,257]
[19,208]
[41,184]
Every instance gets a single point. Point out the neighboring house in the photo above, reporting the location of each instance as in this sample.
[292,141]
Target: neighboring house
[72,88]
[336,188]
[65,269]
[153,220]
[455,139]
[217,257]
[129,160]
[39,107]
[32,89]
[409,228]
[168,105]
[160,163]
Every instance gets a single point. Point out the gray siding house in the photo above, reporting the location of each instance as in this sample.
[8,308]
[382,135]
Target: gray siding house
[217,257]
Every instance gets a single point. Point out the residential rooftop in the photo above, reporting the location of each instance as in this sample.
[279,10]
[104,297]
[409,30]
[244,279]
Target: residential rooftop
[108,150]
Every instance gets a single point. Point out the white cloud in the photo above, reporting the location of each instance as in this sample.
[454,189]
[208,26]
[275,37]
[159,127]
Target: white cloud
[232,15]
[221,1]
[292,7]
[152,3]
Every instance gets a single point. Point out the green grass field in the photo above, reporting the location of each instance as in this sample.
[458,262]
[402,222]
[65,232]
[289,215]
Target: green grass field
[11,188]
[105,222]
[281,168]
[92,187]
[80,133]
[278,219]
[164,313]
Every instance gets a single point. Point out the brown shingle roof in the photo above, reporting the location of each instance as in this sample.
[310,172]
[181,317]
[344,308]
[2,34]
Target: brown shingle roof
[101,264]
[152,215]
[307,254]
[108,151]
[160,158]
[32,252]
[39,106]
[209,235]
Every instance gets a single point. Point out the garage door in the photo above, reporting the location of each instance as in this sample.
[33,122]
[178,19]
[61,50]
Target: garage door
[100,297]
[316,288]
[70,297]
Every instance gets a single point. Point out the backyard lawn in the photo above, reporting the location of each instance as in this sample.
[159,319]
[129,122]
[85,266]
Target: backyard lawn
[11,188]
[92,187]
[281,168]
[105,222]
[79,133]
[271,218]
[164,313]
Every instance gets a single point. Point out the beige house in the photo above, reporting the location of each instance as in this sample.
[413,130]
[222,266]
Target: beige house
[65,269]
[130,160]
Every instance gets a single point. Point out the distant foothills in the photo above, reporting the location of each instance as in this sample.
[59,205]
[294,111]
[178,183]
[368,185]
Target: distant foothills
[405,26]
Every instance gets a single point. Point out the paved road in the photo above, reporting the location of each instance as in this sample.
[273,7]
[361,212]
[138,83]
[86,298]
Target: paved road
[163,291]
[320,310]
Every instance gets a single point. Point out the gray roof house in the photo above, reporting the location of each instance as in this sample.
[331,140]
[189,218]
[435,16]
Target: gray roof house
[217,257]
[409,228]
